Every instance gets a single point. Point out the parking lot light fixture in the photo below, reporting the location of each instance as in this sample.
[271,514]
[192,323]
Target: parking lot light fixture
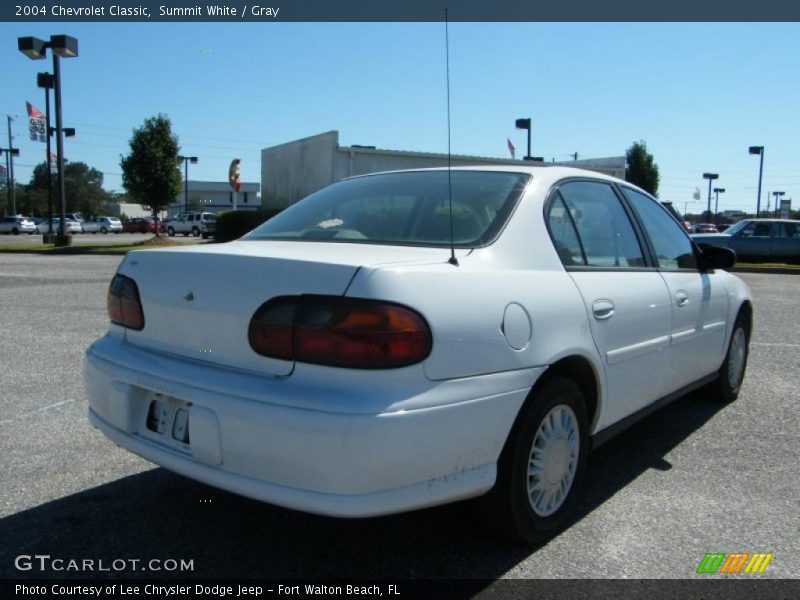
[717,192]
[62,46]
[525,124]
[710,177]
[186,160]
[758,150]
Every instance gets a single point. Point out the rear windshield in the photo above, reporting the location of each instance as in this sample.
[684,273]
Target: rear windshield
[410,208]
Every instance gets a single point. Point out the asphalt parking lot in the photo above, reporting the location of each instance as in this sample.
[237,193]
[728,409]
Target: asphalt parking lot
[693,478]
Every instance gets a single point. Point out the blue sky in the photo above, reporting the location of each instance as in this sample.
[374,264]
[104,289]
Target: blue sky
[697,94]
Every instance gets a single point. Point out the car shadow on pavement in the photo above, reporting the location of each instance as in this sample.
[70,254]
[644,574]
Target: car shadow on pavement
[159,515]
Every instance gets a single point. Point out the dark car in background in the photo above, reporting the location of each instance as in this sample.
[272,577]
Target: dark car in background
[759,239]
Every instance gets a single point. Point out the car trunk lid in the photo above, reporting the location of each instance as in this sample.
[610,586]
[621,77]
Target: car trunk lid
[198,301]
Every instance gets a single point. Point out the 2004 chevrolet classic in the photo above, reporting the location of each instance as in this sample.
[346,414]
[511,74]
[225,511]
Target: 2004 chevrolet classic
[401,340]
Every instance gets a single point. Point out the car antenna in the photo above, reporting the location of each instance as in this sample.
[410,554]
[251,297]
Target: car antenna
[453,260]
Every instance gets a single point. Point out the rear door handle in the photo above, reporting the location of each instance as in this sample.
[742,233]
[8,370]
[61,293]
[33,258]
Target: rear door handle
[681,298]
[602,309]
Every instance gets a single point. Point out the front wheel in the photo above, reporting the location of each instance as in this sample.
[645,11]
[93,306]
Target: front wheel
[103,230]
[726,387]
[171,232]
[195,231]
[542,464]
[15,231]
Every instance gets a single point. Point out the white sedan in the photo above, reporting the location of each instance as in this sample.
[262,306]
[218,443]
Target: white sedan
[70,226]
[103,225]
[407,339]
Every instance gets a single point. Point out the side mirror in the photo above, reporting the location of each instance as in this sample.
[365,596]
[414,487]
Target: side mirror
[716,257]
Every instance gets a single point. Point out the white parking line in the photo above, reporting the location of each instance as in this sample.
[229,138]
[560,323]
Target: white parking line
[38,410]
[781,344]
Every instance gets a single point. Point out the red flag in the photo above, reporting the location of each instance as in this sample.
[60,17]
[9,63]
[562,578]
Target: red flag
[33,111]
[511,148]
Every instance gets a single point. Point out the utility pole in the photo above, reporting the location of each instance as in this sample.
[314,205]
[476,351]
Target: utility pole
[12,198]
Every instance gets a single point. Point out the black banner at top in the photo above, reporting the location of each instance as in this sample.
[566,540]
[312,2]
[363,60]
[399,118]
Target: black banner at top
[67,11]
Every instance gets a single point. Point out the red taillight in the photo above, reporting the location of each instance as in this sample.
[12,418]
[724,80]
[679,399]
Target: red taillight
[124,305]
[341,332]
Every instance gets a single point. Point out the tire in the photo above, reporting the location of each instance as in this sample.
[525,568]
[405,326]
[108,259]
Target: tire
[725,388]
[531,508]
[205,236]
[170,232]
[195,231]
[103,230]
[15,231]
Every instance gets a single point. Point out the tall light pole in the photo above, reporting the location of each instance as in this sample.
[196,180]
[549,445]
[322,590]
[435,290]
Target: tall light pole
[717,192]
[758,150]
[47,82]
[777,198]
[710,177]
[63,46]
[186,160]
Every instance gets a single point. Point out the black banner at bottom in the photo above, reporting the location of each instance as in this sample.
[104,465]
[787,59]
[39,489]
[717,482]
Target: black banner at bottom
[539,589]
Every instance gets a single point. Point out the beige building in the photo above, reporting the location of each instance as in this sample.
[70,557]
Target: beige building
[296,169]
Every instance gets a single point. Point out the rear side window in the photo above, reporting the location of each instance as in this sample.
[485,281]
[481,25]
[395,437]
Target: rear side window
[565,238]
[604,231]
[673,247]
[408,208]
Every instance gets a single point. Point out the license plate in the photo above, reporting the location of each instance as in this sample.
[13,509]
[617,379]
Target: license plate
[169,417]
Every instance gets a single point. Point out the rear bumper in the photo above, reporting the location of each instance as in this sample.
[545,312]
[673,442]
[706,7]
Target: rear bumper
[246,437]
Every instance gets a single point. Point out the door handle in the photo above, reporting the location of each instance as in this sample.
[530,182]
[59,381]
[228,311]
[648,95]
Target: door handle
[602,309]
[681,298]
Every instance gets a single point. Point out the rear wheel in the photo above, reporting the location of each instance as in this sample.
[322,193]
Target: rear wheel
[726,387]
[171,232]
[542,465]
[195,231]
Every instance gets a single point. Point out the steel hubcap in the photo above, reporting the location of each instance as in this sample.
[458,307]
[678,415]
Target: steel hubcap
[553,460]
[736,357]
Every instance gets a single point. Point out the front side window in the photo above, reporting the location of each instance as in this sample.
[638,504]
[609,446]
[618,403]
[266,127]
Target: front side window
[603,227]
[757,229]
[408,208]
[672,246]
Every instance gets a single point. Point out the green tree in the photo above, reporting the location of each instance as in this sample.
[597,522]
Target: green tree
[150,173]
[642,169]
[83,190]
